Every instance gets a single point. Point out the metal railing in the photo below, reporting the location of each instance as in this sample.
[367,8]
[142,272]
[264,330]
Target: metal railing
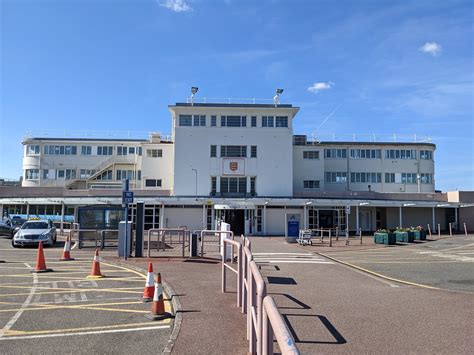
[264,321]
[102,236]
[214,232]
[161,232]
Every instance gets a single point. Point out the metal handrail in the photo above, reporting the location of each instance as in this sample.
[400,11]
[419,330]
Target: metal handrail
[102,236]
[257,291]
[237,271]
[274,325]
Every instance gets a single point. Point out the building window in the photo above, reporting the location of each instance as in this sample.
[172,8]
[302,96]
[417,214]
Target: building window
[153,182]
[426,178]
[105,150]
[336,177]
[366,177]
[32,174]
[86,173]
[60,150]
[125,174]
[281,121]
[213,186]
[122,150]
[60,174]
[131,150]
[253,151]
[312,218]
[106,175]
[213,151]
[233,185]
[390,178]
[154,153]
[253,121]
[213,121]
[310,154]
[253,186]
[233,121]
[409,178]
[70,174]
[267,121]
[233,151]
[86,150]
[311,184]
[400,154]
[32,149]
[335,153]
[258,218]
[45,174]
[209,217]
[426,154]
[185,120]
[366,153]
[199,121]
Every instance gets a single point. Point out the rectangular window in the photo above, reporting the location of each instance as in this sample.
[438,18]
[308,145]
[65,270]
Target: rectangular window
[233,151]
[426,154]
[389,178]
[213,121]
[32,174]
[253,189]
[213,186]
[70,174]
[310,154]
[233,121]
[185,120]
[199,121]
[254,121]
[311,184]
[154,153]
[153,182]
[336,177]
[426,178]
[281,121]
[122,150]
[61,174]
[131,150]
[86,150]
[32,149]
[233,186]
[253,151]
[105,150]
[400,154]
[45,174]
[213,151]
[335,153]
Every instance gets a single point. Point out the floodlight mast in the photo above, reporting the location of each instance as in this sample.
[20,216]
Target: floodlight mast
[276,98]
[194,90]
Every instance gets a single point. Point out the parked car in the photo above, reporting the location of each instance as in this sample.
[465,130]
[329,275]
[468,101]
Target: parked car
[10,225]
[35,231]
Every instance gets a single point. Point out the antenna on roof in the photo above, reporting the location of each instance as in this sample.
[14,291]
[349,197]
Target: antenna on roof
[276,98]
[194,90]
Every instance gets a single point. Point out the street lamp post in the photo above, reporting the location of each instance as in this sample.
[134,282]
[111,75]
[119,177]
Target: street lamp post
[196,188]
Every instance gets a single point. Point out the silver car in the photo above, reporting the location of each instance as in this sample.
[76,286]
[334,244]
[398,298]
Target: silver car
[33,232]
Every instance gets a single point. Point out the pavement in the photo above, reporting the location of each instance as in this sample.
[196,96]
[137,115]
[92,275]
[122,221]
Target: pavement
[64,312]
[333,308]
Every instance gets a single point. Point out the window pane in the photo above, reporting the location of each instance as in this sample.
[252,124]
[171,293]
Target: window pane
[185,120]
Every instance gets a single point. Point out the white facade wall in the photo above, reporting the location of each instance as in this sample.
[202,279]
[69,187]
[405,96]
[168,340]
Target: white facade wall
[273,166]
[158,168]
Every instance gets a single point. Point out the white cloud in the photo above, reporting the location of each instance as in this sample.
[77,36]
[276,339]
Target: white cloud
[176,5]
[432,48]
[316,87]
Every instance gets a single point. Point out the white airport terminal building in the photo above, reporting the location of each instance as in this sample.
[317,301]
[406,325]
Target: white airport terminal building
[236,162]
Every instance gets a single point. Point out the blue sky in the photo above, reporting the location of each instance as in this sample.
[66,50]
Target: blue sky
[382,67]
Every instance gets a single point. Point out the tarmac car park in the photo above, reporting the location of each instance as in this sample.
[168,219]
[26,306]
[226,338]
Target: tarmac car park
[34,231]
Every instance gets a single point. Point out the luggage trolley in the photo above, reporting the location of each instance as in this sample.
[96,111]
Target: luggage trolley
[304,238]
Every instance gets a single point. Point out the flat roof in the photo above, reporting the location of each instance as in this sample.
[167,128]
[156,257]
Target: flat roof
[362,143]
[185,104]
[86,139]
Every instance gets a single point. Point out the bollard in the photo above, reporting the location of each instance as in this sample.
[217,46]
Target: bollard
[450,230]
[439,230]
[330,238]
[347,237]
[429,230]
[465,229]
[360,235]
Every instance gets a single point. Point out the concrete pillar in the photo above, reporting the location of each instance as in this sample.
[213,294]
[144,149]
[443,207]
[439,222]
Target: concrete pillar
[305,217]
[204,217]
[162,216]
[433,217]
[1,211]
[400,222]
[357,218]
[61,227]
[27,210]
[264,217]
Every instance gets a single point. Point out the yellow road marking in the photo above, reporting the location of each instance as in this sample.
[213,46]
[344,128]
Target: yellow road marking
[52,331]
[379,275]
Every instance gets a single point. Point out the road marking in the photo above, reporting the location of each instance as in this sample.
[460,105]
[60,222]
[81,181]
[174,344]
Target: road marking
[292,262]
[305,254]
[122,290]
[84,333]
[25,304]
[379,275]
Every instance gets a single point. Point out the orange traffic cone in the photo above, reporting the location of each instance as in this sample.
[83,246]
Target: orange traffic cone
[149,290]
[95,272]
[40,262]
[67,250]
[158,305]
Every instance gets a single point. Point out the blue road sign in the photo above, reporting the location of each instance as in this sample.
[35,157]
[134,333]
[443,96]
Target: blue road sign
[127,197]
